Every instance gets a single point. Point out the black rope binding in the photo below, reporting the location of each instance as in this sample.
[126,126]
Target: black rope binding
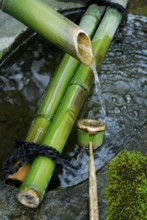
[28,151]
[107,3]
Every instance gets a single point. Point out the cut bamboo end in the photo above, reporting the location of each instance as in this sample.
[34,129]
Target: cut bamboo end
[21,174]
[83,46]
[91,125]
[29,198]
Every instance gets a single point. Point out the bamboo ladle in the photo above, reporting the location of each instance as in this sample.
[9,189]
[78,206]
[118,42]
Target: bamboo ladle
[90,135]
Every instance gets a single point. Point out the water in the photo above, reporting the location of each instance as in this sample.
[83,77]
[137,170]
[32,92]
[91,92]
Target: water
[124,90]
[98,92]
[123,79]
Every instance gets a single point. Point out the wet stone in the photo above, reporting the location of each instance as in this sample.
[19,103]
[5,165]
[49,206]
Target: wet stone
[10,29]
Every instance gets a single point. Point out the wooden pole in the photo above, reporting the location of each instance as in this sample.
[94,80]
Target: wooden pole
[93,194]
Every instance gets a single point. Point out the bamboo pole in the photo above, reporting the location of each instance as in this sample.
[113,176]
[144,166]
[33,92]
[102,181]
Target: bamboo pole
[57,88]
[93,194]
[42,168]
[52,26]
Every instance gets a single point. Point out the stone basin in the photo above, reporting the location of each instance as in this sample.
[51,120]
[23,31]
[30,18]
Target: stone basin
[124,89]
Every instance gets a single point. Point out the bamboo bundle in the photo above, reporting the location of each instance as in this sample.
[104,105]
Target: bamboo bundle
[32,190]
[52,26]
[57,88]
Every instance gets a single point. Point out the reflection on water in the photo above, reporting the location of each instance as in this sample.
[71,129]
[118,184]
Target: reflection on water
[124,87]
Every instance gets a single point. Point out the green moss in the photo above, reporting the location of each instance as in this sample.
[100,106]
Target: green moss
[126,190]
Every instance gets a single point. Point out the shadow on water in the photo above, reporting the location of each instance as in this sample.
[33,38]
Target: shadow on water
[124,90]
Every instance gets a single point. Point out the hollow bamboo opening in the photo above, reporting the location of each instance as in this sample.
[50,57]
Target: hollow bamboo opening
[84,48]
[20,175]
[91,125]
[29,198]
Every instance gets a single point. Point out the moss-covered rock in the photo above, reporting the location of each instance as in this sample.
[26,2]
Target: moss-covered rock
[126,191]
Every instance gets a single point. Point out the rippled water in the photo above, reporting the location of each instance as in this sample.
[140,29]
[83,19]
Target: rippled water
[123,79]
[124,89]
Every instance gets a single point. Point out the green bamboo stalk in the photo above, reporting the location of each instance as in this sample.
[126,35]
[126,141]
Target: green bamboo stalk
[52,26]
[57,88]
[32,190]
[93,194]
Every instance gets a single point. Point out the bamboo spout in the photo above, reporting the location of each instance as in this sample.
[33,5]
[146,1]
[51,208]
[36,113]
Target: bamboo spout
[84,49]
[52,26]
